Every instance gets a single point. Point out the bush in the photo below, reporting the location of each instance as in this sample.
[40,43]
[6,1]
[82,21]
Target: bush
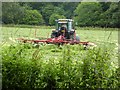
[25,67]
[32,17]
[54,17]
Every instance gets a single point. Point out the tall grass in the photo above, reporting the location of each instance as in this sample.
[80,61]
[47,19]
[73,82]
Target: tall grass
[24,67]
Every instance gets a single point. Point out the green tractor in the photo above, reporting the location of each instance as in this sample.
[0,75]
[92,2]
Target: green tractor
[65,28]
[63,34]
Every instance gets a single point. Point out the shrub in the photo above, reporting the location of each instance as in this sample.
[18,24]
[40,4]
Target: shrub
[26,67]
[32,17]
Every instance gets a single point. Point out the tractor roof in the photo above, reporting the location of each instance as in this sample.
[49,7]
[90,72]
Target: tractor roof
[64,20]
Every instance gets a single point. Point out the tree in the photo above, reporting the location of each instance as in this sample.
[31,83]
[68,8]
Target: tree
[105,6]
[69,8]
[12,13]
[53,17]
[111,15]
[88,14]
[47,11]
[61,8]
[58,10]
[20,13]
[32,17]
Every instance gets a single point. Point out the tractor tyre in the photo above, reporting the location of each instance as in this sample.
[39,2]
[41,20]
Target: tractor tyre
[52,35]
[78,38]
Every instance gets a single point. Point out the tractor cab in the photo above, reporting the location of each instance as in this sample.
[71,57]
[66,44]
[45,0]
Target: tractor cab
[64,27]
[67,23]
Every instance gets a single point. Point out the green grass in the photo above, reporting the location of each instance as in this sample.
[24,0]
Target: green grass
[23,32]
[48,66]
[86,34]
[99,36]
[66,66]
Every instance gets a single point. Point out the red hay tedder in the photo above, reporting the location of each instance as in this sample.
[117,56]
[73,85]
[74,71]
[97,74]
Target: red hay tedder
[63,34]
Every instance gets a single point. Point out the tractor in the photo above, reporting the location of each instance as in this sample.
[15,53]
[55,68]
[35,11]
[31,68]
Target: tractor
[65,28]
[63,34]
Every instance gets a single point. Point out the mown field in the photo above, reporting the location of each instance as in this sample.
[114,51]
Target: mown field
[100,36]
[97,35]
[68,66]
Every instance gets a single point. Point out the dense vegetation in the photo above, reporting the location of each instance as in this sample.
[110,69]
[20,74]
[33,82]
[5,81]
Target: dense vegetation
[49,66]
[29,66]
[68,66]
[104,14]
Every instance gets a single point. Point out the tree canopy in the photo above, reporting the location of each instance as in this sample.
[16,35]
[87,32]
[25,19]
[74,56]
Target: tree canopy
[87,14]
[53,17]
[32,17]
[103,14]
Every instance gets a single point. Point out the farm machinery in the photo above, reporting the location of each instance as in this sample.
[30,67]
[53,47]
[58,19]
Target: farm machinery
[63,34]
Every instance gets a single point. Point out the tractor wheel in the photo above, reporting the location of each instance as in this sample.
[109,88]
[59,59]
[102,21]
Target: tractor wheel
[52,35]
[77,38]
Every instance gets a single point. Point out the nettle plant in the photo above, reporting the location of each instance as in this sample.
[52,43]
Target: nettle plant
[26,67]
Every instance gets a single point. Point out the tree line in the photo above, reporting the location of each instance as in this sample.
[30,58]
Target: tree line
[102,14]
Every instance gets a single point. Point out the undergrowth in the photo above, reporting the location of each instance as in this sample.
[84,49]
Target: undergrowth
[23,66]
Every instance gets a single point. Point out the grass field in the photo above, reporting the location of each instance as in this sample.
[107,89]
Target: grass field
[34,67]
[99,36]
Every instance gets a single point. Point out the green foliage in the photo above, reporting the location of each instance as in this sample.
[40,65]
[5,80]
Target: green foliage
[69,8]
[49,8]
[98,14]
[16,14]
[47,11]
[103,14]
[111,15]
[32,17]
[59,10]
[12,13]
[24,67]
[96,68]
[87,13]
[54,17]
